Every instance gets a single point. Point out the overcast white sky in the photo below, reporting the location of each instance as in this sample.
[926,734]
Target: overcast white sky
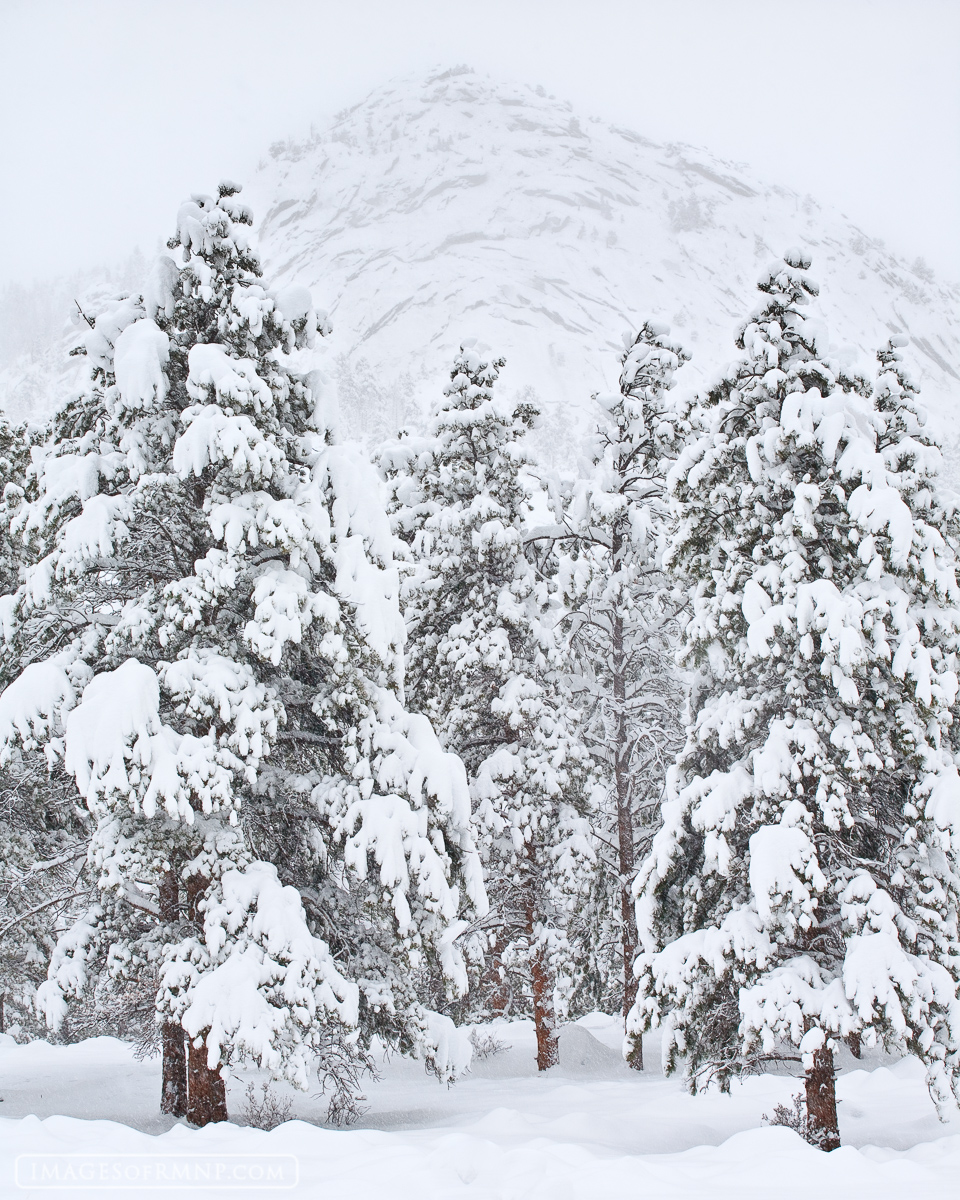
[111,112]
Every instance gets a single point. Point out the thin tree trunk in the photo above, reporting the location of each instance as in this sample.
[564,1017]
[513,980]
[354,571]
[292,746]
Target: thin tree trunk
[496,977]
[822,1098]
[544,1015]
[853,1041]
[206,1089]
[627,846]
[173,1096]
[173,1090]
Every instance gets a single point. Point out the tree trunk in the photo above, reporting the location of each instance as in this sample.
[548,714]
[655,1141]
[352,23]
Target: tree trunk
[544,1016]
[173,1090]
[822,1099]
[853,1041]
[496,977]
[625,838]
[206,1089]
[173,1096]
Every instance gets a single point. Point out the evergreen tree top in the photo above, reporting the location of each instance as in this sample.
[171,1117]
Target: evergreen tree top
[472,377]
[471,408]
[468,469]
[640,424]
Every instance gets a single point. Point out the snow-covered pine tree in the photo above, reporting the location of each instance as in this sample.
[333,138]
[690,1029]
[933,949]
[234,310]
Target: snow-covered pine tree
[804,886]
[13,465]
[623,619]
[14,557]
[42,835]
[485,665]
[210,645]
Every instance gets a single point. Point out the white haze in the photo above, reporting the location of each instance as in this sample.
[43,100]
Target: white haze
[114,111]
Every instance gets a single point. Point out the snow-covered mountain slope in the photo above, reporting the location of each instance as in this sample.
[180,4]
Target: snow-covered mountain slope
[455,205]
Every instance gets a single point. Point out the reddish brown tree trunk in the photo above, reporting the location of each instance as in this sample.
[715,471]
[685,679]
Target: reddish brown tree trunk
[173,1088]
[196,890]
[496,978]
[173,1094]
[822,1099]
[544,1015]
[207,1092]
[853,1041]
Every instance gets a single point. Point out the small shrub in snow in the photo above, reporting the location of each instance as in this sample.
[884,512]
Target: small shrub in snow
[486,1045]
[266,1111]
[346,1107]
[795,1117]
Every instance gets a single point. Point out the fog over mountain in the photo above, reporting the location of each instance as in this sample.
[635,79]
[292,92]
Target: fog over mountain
[455,205]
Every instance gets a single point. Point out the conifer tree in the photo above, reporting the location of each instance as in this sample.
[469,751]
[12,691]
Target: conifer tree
[209,645]
[42,880]
[14,459]
[486,666]
[623,615]
[804,886]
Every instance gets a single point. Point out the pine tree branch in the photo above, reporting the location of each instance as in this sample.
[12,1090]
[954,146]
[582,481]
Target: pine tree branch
[39,908]
[303,735]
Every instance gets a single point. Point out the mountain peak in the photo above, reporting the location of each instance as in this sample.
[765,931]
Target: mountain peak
[453,204]
[450,204]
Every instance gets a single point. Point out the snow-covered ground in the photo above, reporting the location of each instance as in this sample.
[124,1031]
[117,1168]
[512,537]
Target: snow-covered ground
[589,1128]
